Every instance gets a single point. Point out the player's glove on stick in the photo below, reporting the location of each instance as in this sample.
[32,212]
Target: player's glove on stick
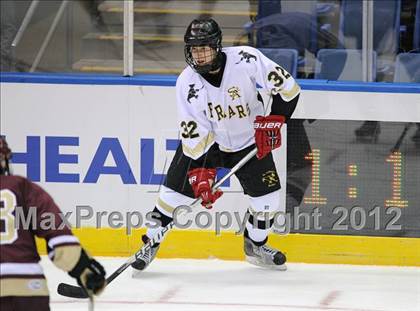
[267,133]
[201,180]
[89,274]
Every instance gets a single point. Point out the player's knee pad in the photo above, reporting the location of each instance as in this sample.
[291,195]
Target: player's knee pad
[269,203]
[169,200]
[162,213]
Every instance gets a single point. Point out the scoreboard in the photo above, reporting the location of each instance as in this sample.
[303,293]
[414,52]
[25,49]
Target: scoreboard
[358,186]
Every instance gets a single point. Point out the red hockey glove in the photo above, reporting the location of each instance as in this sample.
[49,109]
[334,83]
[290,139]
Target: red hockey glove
[267,133]
[201,180]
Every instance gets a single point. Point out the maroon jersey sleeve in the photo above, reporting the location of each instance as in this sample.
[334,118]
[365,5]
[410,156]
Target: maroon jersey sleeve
[63,247]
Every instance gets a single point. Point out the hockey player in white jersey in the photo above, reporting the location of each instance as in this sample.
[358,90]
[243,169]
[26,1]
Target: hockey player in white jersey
[221,118]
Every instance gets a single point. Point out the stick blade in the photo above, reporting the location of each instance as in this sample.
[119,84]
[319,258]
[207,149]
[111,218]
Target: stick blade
[71,291]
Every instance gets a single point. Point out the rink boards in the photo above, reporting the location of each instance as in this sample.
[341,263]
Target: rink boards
[104,144]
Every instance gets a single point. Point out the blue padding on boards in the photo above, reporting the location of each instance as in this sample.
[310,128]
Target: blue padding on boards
[170,80]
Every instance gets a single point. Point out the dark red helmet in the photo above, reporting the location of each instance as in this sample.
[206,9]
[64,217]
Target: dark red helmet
[5,156]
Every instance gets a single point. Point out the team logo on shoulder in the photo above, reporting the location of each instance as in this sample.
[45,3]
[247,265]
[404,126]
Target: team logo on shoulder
[234,92]
[246,56]
[270,178]
[192,93]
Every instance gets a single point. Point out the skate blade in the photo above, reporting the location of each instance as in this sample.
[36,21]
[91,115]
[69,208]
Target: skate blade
[136,274]
[254,261]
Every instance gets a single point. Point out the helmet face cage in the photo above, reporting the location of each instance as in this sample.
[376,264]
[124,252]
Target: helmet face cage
[203,32]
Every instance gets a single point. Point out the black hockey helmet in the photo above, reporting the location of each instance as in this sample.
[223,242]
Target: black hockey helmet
[5,156]
[203,32]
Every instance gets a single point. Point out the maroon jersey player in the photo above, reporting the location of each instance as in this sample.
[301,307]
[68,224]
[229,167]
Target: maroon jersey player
[22,281]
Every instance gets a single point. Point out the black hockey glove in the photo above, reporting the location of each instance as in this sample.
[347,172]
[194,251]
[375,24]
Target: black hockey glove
[89,274]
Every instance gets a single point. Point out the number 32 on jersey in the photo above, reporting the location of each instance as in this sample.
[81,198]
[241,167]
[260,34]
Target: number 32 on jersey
[277,77]
[189,129]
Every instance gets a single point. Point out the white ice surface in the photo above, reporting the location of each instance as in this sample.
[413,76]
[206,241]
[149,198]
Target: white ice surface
[213,285]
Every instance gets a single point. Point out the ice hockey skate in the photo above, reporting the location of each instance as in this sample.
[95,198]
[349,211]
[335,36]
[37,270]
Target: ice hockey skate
[144,261]
[264,256]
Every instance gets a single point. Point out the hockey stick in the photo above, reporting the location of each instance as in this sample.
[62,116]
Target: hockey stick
[91,304]
[401,138]
[78,292]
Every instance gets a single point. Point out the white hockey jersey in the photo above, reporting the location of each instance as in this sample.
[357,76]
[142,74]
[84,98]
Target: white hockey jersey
[225,114]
